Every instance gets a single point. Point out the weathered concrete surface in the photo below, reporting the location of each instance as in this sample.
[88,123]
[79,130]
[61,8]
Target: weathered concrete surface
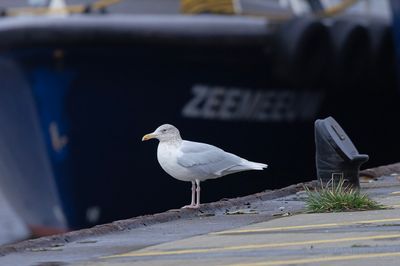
[136,233]
[349,238]
[381,171]
[362,238]
[249,239]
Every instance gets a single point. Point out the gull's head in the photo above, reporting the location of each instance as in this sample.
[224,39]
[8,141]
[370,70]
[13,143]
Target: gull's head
[165,132]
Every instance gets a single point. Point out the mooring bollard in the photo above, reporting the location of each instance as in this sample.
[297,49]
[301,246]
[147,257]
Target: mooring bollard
[336,156]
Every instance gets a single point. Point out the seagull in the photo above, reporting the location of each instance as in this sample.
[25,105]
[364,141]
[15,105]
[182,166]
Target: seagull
[194,161]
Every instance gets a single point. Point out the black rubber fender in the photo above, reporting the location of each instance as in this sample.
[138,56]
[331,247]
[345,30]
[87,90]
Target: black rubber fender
[383,57]
[352,53]
[303,51]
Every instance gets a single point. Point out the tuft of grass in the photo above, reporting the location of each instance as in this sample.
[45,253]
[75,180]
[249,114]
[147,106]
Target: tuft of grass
[338,197]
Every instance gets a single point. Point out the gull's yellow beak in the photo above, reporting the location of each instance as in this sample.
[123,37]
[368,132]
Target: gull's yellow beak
[148,136]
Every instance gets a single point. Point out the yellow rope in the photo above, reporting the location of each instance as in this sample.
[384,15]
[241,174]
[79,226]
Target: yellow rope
[212,6]
[187,6]
[227,7]
[337,9]
[73,9]
[104,3]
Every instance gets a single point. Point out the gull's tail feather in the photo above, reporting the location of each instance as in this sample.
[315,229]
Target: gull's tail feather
[256,166]
[246,165]
[243,165]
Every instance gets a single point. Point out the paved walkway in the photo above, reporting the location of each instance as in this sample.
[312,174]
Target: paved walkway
[354,238]
[243,237]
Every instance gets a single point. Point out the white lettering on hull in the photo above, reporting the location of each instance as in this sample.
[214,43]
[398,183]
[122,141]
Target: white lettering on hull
[220,103]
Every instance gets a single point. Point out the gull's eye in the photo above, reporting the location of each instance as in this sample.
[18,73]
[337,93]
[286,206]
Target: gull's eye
[164,130]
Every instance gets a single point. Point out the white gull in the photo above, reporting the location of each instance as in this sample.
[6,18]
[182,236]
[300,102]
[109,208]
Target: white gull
[194,161]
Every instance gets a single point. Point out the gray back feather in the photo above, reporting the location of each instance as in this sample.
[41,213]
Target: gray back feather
[206,159]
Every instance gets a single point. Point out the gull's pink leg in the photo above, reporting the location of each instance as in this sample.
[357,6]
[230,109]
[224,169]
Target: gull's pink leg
[198,194]
[192,204]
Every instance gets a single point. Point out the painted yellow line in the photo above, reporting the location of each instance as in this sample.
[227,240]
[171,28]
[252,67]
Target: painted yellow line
[320,259]
[251,247]
[308,226]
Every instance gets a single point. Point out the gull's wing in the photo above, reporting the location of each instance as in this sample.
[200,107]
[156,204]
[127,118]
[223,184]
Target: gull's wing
[207,160]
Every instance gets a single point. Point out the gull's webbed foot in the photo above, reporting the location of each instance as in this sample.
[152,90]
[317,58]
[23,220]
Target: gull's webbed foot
[191,206]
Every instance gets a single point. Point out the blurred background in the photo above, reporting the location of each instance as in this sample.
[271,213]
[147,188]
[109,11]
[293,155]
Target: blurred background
[82,81]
